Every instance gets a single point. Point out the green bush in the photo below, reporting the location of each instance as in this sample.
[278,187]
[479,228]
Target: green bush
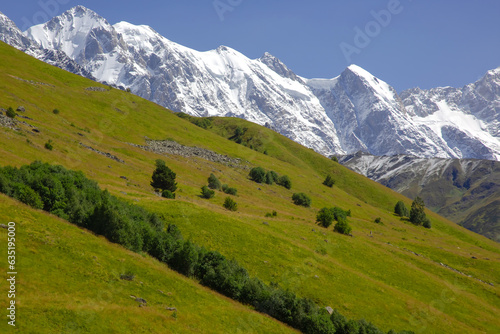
[213,182]
[401,210]
[417,211]
[329,181]
[230,204]
[207,193]
[427,223]
[271,214]
[48,145]
[378,220]
[168,194]
[325,217]
[284,181]
[231,191]
[334,158]
[258,174]
[10,112]
[271,177]
[163,177]
[301,199]
[342,227]
[56,111]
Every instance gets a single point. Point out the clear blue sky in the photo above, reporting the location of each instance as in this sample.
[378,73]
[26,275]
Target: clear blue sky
[423,43]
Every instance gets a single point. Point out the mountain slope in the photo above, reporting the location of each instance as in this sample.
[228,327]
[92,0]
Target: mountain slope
[352,112]
[376,274]
[69,282]
[465,191]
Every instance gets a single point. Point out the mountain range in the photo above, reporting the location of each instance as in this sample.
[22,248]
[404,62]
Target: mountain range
[352,112]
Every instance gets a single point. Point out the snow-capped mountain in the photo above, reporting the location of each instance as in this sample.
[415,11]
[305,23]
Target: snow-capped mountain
[10,34]
[467,191]
[354,111]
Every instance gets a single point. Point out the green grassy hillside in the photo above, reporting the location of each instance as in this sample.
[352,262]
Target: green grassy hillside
[395,275]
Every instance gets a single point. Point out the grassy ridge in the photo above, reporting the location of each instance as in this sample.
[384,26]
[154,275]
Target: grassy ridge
[374,275]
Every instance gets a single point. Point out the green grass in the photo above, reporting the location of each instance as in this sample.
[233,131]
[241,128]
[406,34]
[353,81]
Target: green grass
[373,275]
[69,282]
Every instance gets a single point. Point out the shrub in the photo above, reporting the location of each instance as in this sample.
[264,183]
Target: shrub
[301,199]
[271,177]
[163,177]
[325,217]
[231,191]
[339,213]
[284,181]
[401,210]
[213,182]
[230,204]
[334,158]
[417,211]
[329,181]
[378,220]
[48,145]
[167,194]
[207,193]
[56,111]
[427,223]
[258,174]
[342,227]
[10,112]
[27,195]
[271,214]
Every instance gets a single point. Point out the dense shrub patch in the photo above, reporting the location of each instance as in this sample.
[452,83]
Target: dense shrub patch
[260,175]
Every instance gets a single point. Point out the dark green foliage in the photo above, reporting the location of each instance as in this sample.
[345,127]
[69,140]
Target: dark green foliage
[301,199]
[213,182]
[228,190]
[329,181]
[401,210]
[10,112]
[340,213]
[378,220]
[271,177]
[272,214]
[342,226]
[284,181]
[27,195]
[417,211]
[230,204]
[167,194]
[163,177]
[238,135]
[56,111]
[207,193]
[48,145]
[202,122]
[334,158]
[72,196]
[258,174]
[427,223]
[325,217]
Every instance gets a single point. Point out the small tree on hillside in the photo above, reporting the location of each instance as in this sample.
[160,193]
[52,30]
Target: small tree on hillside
[329,181]
[207,193]
[213,182]
[417,211]
[163,178]
[10,112]
[258,174]
[342,226]
[401,210]
[301,199]
[284,181]
[325,217]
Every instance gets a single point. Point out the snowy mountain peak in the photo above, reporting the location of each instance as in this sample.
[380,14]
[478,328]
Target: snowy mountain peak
[68,32]
[278,66]
[10,34]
